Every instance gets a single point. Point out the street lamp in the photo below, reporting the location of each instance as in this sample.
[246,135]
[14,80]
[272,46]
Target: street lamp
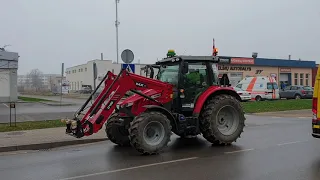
[117,23]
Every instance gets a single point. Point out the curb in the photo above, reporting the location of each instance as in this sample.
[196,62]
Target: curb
[57,104]
[49,145]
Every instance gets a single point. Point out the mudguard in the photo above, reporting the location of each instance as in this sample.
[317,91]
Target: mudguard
[210,92]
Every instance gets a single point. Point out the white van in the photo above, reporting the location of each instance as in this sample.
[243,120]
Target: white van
[260,87]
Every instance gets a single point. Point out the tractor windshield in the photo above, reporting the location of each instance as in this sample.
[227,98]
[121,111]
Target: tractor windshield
[169,73]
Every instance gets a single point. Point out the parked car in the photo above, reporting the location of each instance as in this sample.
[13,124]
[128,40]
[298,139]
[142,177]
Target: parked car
[260,87]
[296,92]
[245,95]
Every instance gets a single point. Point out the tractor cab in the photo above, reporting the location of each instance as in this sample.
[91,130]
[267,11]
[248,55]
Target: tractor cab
[190,75]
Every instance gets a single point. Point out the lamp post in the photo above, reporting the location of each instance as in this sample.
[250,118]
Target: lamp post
[117,23]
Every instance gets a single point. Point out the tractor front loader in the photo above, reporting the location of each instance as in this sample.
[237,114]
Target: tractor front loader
[185,98]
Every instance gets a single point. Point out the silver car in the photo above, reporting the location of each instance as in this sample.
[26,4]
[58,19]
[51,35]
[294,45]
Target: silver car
[296,92]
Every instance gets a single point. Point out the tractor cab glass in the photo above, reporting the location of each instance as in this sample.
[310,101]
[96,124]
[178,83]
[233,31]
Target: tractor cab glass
[195,80]
[169,73]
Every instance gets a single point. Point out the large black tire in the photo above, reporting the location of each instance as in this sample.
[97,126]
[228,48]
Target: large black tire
[138,135]
[211,119]
[116,132]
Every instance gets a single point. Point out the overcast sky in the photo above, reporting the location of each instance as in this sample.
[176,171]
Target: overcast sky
[49,32]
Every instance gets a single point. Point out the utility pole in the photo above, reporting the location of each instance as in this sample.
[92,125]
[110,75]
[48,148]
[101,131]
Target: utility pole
[117,23]
[62,73]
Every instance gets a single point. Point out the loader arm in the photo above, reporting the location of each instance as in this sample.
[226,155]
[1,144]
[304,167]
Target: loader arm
[114,91]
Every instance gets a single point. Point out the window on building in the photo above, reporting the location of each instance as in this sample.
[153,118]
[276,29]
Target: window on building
[295,78]
[301,79]
[301,75]
[85,69]
[79,70]
[307,79]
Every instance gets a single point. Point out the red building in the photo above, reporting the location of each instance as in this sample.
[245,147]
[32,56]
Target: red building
[314,74]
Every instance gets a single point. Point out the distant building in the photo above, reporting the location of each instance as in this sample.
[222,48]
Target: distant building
[8,76]
[290,72]
[49,81]
[80,76]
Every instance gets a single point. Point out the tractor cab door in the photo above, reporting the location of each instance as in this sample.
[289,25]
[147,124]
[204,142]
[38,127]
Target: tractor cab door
[192,84]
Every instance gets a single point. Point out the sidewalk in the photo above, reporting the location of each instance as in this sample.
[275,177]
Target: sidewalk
[43,139]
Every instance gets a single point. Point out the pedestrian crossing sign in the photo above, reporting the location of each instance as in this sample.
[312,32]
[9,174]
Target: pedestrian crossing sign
[129,67]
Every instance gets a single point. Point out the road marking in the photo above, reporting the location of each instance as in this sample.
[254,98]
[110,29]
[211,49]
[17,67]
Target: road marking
[275,117]
[243,150]
[130,168]
[5,105]
[304,117]
[294,142]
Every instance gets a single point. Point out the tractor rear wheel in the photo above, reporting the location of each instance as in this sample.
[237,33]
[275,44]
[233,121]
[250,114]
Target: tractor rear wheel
[222,120]
[116,131]
[150,132]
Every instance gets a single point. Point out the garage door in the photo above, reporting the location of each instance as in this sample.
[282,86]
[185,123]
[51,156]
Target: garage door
[284,77]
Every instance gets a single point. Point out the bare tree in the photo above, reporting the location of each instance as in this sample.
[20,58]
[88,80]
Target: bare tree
[35,76]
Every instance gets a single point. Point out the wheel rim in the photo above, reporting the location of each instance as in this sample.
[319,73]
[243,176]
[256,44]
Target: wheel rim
[227,120]
[153,133]
[297,97]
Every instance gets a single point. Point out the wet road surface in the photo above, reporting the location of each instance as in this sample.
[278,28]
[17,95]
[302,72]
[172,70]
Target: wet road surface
[270,148]
[36,112]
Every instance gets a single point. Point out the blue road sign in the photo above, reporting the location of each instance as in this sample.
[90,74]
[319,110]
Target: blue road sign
[129,67]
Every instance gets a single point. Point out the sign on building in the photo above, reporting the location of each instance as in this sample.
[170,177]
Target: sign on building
[242,61]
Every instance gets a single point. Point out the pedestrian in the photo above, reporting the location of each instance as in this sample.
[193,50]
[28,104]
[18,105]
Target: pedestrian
[282,85]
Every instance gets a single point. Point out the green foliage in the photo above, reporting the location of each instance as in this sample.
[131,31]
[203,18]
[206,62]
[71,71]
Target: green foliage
[277,105]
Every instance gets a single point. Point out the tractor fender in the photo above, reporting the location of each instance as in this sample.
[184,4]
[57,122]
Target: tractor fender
[163,111]
[211,92]
[160,109]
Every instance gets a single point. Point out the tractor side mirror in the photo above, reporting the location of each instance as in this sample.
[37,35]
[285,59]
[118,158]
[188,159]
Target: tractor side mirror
[185,68]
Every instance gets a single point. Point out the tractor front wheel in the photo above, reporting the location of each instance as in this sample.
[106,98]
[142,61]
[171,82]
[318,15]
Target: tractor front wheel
[222,120]
[116,131]
[150,132]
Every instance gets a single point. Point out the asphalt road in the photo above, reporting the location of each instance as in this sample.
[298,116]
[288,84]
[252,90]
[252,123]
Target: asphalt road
[280,148]
[35,112]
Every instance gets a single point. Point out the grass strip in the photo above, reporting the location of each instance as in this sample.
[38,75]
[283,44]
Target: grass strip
[277,105]
[30,125]
[31,99]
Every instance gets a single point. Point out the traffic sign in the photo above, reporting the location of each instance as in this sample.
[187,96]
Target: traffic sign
[129,67]
[127,56]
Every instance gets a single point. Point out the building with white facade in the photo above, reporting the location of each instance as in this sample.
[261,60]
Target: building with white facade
[8,76]
[82,75]
[48,81]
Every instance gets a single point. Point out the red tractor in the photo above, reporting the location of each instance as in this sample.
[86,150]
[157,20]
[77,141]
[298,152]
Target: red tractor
[186,98]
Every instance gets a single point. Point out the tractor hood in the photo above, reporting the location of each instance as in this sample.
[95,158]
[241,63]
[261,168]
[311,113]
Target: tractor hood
[131,99]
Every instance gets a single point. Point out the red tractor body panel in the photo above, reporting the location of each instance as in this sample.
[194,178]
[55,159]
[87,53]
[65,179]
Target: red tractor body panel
[115,88]
[210,91]
[138,102]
